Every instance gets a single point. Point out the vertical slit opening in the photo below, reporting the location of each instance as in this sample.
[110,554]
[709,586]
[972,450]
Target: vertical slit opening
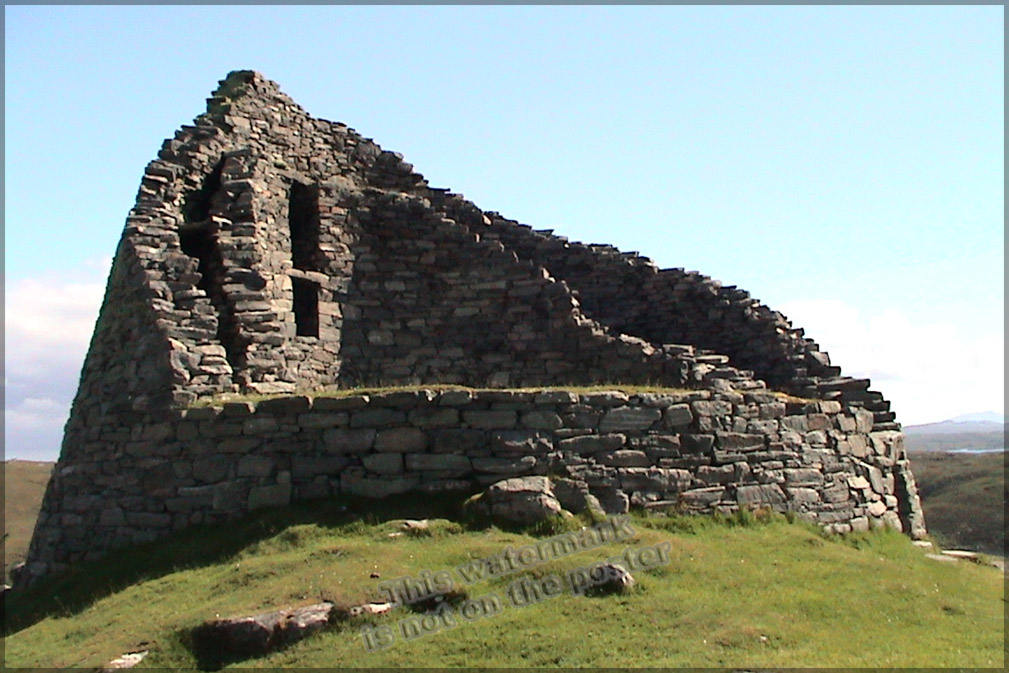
[303,220]
[201,244]
[306,307]
[197,205]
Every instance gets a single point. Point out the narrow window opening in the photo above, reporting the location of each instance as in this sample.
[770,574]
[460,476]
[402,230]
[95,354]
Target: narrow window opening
[303,219]
[198,203]
[201,244]
[306,307]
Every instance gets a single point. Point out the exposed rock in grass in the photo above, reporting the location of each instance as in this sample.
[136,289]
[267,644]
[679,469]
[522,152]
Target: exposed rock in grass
[235,638]
[615,579]
[521,500]
[128,660]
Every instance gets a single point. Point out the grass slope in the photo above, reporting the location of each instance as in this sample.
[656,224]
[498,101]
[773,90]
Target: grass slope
[736,592]
[24,485]
[964,498]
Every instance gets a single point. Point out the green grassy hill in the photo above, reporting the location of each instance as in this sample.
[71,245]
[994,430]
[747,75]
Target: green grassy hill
[24,485]
[964,498]
[748,591]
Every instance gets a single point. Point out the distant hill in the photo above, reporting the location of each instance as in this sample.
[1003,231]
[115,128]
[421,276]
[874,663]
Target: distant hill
[953,435]
[24,485]
[964,498]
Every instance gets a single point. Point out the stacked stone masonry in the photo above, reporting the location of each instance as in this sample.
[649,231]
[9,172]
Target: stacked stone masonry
[693,450]
[272,252]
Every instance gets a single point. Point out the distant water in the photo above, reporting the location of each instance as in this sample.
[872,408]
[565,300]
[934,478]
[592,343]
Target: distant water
[998,450]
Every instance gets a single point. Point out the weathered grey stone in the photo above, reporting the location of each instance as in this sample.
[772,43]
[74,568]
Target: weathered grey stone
[255,466]
[702,498]
[377,418]
[520,441]
[448,462]
[434,417]
[273,495]
[383,463]
[340,440]
[697,443]
[512,466]
[629,418]
[609,398]
[677,416]
[319,419]
[541,420]
[522,500]
[759,494]
[490,420]
[400,439]
[236,638]
[587,444]
[310,466]
[804,475]
[624,458]
[354,482]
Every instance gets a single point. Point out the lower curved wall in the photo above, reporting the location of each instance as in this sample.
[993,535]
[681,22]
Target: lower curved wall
[702,450]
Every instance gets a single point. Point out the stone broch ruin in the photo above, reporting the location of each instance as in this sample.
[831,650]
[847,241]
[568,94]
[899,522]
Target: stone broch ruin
[271,252]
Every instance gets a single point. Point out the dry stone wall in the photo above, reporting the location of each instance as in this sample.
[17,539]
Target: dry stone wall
[697,450]
[271,252]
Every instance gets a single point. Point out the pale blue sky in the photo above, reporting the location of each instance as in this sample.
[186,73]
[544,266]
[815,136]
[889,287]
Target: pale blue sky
[844,164]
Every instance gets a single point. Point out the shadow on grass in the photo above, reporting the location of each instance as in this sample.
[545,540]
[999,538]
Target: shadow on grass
[70,593]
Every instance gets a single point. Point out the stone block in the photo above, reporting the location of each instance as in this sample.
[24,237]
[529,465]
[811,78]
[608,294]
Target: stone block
[607,398]
[702,498]
[445,462]
[354,482]
[284,406]
[273,495]
[306,467]
[492,419]
[802,495]
[352,403]
[629,418]
[555,397]
[341,440]
[434,417]
[457,440]
[759,494]
[401,440]
[504,466]
[260,425]
[654,479]
[711,407]
[738,441]
[677,416]
[520,441]
[697,443]
[624,458]
[803,476]
[377,418]
[541,420]
[722,474]
[323,419]
[211,469]
[383,463]
[587,444]
[255,466]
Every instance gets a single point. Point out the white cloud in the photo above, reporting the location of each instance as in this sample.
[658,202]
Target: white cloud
[48,325]
[929,371]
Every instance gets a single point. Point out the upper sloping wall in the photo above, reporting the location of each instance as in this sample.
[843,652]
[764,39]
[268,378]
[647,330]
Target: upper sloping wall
[400,282]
